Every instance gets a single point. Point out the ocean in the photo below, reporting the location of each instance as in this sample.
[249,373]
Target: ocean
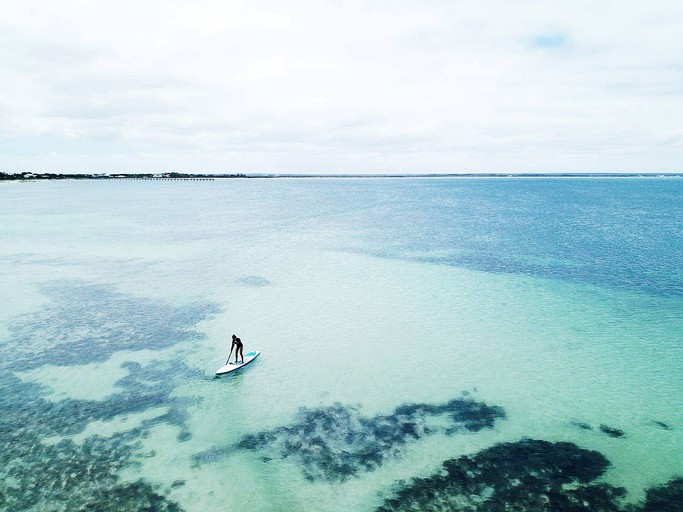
[427,344]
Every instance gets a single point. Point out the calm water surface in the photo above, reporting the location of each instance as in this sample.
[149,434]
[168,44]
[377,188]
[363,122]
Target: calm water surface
[427,344]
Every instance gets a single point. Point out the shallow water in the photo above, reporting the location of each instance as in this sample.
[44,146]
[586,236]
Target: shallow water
[409,328]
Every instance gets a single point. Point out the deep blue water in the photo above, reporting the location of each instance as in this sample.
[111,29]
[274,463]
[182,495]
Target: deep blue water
[625,233]
[616,232]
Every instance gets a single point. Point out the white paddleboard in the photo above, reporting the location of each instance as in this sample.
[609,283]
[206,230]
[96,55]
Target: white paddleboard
[231,367]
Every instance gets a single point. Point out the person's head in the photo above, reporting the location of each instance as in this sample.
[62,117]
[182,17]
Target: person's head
[233,336]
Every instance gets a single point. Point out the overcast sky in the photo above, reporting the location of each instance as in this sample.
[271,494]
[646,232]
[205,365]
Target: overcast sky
[341,86]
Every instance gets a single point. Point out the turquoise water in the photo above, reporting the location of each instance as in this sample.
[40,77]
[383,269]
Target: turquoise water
[427,344]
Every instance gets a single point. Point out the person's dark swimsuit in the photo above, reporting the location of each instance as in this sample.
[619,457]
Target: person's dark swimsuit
[239,350]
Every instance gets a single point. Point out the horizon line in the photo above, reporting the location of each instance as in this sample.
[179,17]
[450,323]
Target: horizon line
[178,174]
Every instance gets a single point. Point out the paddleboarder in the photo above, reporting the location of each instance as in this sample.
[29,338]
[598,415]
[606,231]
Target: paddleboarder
[239,350]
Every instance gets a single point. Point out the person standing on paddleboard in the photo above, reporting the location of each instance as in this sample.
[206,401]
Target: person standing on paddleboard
[239,349]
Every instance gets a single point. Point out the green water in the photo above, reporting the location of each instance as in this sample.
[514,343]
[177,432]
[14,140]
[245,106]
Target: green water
[364,296]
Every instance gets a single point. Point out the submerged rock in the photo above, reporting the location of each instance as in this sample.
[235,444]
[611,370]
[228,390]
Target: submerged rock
[64,475]
[138,496]
[256,281]
[338,442]
[88,323]
[529,475]
[612,432]
[665,498]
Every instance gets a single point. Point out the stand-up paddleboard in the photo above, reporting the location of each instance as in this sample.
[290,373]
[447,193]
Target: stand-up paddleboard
[231,367]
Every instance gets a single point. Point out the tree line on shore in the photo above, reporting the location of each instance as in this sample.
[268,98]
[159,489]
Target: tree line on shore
[4,176]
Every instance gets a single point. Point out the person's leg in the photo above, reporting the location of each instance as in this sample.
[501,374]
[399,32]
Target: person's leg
[242,354]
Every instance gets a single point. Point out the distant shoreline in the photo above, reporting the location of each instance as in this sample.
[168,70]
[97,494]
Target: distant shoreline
[29,176]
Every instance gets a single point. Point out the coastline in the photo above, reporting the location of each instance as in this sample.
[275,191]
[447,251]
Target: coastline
[174,176]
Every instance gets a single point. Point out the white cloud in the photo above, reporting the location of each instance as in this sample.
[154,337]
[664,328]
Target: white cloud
[525,85]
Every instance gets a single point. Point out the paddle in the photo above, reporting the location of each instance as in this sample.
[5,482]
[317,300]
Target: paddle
[229,356]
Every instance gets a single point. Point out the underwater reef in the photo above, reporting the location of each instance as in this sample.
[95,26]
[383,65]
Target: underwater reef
[67,476]
[87,323]
[41,466]
[526,476]
[664,498]
[255,281]
[612,431]
[337,442]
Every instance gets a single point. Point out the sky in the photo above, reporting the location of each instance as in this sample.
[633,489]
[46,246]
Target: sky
[324,86]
